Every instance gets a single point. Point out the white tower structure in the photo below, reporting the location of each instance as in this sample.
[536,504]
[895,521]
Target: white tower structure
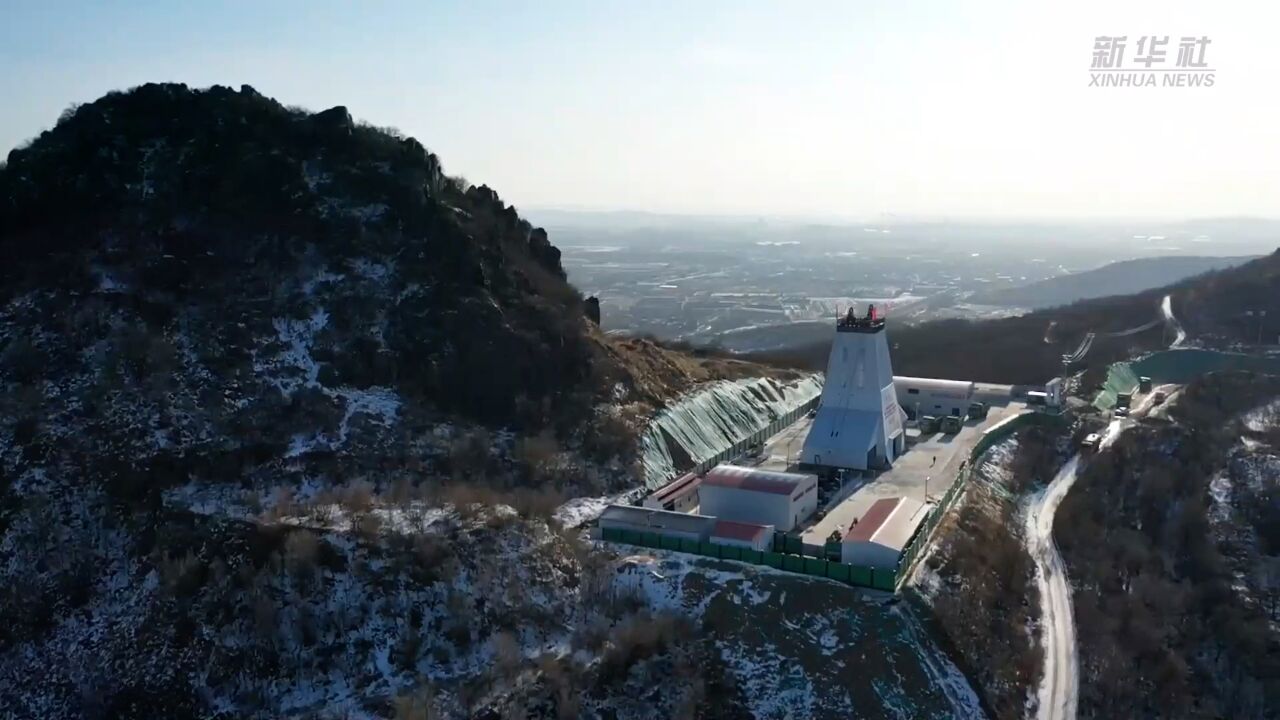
[859,422]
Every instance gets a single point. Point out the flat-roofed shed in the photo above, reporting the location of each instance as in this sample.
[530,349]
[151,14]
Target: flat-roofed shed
[680,494]
[739,534]
[878,538]
[665,522]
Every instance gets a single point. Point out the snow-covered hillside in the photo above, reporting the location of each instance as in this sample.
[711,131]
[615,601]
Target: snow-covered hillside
[285,416]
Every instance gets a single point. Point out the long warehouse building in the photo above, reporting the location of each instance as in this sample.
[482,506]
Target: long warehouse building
[666,522]
[930,396]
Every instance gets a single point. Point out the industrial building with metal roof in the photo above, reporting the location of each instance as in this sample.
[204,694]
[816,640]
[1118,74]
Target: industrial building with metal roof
[783,500]
[858,424]
[878,538]
[680,494]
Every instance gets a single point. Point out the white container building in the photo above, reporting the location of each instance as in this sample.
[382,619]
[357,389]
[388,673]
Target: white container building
[930,396]
[748,495]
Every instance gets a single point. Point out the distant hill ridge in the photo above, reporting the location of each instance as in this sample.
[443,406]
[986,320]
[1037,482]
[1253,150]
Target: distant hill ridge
[1118,278]
[1221,308]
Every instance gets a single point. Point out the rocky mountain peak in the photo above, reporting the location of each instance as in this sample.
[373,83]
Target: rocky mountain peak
[228,215]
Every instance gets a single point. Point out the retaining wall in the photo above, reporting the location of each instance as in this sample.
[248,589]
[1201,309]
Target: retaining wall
[721,421]
[778,558]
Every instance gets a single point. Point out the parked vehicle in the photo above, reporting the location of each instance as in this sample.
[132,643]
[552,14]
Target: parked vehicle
[978,411]
[1121,412]
[1091,441]
[928,425]
[951,424]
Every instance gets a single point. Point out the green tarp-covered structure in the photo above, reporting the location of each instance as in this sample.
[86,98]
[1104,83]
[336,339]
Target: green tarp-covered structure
[1176,366]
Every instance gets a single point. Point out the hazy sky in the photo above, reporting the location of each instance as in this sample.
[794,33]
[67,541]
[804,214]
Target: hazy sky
[850,109]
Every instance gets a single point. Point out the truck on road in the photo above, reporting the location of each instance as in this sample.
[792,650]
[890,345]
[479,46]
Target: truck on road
[978,411]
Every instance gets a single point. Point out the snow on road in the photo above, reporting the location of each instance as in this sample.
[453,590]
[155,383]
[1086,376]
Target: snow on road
[1059,686]
[1166,307]
[1057,692]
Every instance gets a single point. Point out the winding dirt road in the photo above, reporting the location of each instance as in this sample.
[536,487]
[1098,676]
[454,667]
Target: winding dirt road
[1180,335]
[1058,692]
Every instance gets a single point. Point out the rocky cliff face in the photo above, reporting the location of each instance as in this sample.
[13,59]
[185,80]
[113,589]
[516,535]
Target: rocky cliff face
[244,226]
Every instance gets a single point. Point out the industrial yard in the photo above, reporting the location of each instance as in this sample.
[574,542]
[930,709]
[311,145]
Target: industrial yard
[924,472]
[851,489]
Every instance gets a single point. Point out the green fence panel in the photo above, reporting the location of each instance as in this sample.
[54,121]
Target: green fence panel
[630,537]
[814,566]
[793,563]
[669,543]
[753,556]
[729,552]
[838,571]
[649,539]
[773,559]
[859,575]
[883,579]
[708,549]
[611,535]
[688,545]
